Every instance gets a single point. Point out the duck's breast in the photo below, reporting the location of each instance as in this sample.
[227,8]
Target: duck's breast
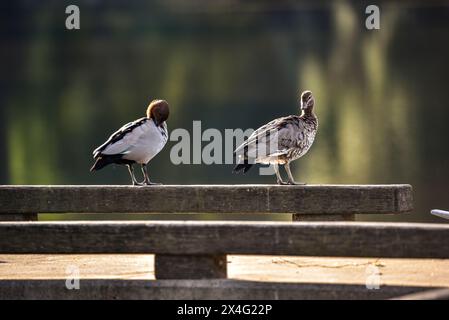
[304,141]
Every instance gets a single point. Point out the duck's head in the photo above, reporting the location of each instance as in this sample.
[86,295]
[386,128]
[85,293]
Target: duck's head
[158,110]
[307,101]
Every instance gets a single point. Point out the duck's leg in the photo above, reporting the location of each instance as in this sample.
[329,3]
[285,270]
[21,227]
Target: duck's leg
[278,175]
[131,173]
[290,176]
[146,177]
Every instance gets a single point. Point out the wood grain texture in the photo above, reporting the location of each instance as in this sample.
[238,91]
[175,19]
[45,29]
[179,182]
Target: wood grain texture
[310,199]
[334,239]
[219,289]
[190,266]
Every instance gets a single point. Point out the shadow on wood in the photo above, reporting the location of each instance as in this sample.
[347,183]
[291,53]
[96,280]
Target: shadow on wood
[193,289]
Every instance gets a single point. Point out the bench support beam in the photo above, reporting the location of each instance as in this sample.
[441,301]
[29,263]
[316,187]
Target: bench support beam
[190,266]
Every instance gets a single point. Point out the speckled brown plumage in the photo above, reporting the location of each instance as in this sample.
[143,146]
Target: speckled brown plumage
[281,141]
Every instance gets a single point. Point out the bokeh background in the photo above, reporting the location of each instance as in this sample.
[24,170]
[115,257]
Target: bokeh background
[381,95]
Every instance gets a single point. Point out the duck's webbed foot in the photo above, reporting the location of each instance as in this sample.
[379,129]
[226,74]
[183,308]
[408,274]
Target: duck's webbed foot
[149,183]
[296,183]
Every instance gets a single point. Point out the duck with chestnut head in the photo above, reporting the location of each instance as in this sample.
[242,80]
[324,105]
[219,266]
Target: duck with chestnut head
[136,142]
[281,141]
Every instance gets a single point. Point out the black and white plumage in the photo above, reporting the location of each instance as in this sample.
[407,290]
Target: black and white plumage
[280,141]
[136,142]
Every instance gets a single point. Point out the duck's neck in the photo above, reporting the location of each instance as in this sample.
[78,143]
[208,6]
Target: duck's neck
[309,117]
[308,113]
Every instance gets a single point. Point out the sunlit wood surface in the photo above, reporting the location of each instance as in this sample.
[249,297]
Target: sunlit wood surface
[410,272]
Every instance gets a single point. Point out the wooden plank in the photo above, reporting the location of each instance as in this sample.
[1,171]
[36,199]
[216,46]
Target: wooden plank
[352,239]
[310,199]
[215,289]
[190,266]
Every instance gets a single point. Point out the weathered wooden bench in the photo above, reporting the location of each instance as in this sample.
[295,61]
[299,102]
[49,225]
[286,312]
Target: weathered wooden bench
[312,202]
[191,257]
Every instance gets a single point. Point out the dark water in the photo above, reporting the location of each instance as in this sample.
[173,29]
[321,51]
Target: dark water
[381,95]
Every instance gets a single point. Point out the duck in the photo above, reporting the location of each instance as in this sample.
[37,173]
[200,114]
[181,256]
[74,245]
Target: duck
[280,141]
[137,142]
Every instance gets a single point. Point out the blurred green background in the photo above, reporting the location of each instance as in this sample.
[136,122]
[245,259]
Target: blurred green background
[381,95]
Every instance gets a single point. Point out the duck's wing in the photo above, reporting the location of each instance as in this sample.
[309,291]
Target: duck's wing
[123,139]
[255,137]
[273,139]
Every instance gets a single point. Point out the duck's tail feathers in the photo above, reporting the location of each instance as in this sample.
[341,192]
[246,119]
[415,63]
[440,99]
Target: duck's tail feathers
[242,167]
